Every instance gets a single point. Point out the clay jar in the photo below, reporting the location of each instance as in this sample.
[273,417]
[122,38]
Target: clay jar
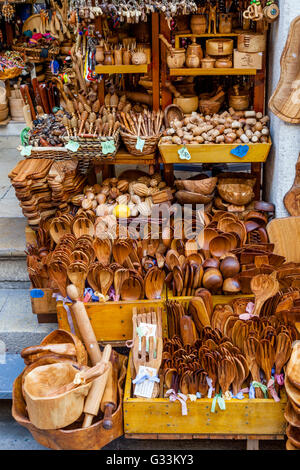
[225,23]
[176,58]
[198,24]
[108,58]
[194,49]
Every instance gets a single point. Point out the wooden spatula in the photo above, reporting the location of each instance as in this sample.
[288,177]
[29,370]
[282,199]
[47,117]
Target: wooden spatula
[263,287]
[250,348]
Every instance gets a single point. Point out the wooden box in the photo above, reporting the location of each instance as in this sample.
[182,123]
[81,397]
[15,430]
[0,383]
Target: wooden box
[158,418]
[248,59]
[43,305]
[111,321]
[214,153]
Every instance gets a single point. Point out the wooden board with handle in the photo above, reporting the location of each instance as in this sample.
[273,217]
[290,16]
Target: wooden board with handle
[285,234]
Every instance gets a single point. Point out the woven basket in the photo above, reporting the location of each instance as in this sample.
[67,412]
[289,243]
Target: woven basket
[53,153]
[91,149]
[130,141]
[34,53]
[10,73]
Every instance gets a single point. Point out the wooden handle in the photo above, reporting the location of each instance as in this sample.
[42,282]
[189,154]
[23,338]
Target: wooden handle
[109,401]
[36,90]
[27,115]
[173,90]
[44,98]
[27,99]
[166,43]
[217,96]
[67,349]
[84,325]
[92,403]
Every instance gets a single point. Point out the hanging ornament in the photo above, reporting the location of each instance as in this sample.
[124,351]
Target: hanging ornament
[8,11]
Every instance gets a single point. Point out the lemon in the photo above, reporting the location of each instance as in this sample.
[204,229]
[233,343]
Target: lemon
[121,211]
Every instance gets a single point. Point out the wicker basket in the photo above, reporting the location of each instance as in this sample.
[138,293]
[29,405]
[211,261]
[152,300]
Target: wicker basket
[130,141]
[10,73]
[34,53]
[53,153]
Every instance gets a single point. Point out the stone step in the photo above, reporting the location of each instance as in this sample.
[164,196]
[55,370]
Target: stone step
[13,268]
[19,328]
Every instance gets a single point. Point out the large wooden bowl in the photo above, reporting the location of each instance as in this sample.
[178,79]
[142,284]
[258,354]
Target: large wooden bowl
[236,193]
[55,411]
[204,186]
[74,437]
[189,197]
[48,346]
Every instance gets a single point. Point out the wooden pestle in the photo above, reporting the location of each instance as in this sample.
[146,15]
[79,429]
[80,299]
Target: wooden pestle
[94,398]
[84,325]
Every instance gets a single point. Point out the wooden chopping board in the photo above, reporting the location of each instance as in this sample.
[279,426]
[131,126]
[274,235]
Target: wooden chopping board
[285,234]
[285,101]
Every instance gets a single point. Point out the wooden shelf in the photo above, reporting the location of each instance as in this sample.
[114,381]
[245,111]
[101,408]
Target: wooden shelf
[214,153]
[206,35]
[110,69]
[212,71]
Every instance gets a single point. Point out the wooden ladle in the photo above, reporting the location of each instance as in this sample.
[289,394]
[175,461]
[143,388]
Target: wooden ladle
[264,287]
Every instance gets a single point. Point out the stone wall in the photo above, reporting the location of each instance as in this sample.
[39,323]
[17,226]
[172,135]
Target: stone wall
[279,170]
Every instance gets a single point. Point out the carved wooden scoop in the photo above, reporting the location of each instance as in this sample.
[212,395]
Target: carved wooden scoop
[264,287]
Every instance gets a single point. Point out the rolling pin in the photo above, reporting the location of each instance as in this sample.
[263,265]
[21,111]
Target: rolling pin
[94,398]
[109,401]
[84,325]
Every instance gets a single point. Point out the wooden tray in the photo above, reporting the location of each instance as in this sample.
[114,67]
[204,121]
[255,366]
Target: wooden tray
[145,418]
[285,101]
[44,306]
[214,153]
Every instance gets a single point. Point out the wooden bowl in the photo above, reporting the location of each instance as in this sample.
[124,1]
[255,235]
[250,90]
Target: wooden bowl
[219,46]
[188,103]
[172,112]
[58,411]
[204,186]
[229,266]
[209,107]
[231,285]
[219,246]
[212,280]
[189,197]
[236,193]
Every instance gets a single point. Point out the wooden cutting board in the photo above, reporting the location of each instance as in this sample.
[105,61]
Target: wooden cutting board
[285,234]
[285,101]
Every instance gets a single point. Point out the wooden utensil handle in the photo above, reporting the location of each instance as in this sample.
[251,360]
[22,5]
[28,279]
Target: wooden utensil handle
[84,326]
[93,401]
[44,98]
[107,419]
[27,98]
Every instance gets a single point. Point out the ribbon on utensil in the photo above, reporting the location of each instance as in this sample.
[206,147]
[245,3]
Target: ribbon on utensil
[279,379]
[221,402]
[210,387]
[272,390]
[255,385]
[64,300]
[173,396]
[140,378]
[192,397]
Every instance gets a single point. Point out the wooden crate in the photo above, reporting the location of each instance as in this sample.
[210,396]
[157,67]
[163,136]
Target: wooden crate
[43,306]
[217,299]
[111,321]
[214,153]
[244,419]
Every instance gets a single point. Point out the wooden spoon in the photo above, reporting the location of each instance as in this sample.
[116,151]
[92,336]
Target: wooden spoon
[250,348]
[264,287]
[103,250]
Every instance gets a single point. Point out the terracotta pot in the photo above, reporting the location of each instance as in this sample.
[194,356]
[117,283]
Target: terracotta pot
[198,24]
[225,23]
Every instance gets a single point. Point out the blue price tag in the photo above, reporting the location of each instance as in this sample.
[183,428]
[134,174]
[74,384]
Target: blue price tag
[73,146]
[184,154]
[240,151]
[140,144]
[37,293]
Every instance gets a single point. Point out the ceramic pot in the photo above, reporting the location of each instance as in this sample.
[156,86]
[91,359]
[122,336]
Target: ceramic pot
[198,24]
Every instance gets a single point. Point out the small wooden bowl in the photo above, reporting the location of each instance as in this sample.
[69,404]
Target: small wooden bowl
[219,246]
[189,197]
[204,186]
[231,286]
[229,267]
[238,194]
[212,280]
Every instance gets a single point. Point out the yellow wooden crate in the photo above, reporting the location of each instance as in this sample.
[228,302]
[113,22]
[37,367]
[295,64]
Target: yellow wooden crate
[147,418]
[214,153]
[111,321]
[217,299]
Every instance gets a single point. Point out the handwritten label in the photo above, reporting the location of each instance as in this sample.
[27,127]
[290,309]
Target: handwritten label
[72,146]
[108,146]
[26,151]
[145,388]
[37,293]
[184,154]
[140,144]
[240,151]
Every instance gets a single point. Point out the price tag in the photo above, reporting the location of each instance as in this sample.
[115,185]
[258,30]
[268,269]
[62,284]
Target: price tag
[37,293]
[108,146]
[26,151]
[72,146]
[140,144]
[240,151]
[184,154]
[145,388]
